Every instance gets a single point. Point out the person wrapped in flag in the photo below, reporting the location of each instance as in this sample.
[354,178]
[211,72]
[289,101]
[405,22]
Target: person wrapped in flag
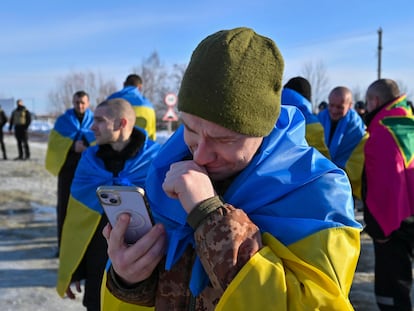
[388,192]
[70,136]
[121,157]
[297,92]
[144,109]
[345,135]
[248,216]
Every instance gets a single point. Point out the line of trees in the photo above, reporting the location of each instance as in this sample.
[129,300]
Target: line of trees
[316,74]
[159,79]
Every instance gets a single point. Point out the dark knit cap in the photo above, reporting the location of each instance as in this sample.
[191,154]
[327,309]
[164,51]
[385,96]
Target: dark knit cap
[234,79]
[360,105]
[300,85]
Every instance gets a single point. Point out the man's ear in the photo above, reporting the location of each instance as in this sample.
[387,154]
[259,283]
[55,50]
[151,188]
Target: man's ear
[122,123]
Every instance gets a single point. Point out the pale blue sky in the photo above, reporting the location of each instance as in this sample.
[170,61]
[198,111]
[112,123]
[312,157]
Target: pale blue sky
[43,40]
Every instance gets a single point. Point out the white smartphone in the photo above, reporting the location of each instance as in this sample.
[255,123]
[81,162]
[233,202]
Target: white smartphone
[116,200]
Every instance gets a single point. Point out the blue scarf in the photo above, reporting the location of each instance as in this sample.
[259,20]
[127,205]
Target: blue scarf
[133,96]
[68,125]
[288,190]
[348,133]
[293,98]
[91,173]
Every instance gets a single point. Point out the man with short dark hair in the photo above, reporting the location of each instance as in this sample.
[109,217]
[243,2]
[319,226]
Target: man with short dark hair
[144,109]
[297,92]
[121,156]
[70,136]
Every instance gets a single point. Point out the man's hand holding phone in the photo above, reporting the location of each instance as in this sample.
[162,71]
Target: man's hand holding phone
[134,263]
[131,200]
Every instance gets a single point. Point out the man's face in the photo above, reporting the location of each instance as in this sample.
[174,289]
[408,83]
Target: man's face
[221,151]
[106,128]
[80,103]
[339,106]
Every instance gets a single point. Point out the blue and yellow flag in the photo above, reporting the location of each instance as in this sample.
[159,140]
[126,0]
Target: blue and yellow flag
[288,190]
[84,210]
[348,133]
[66,130]
[314,135]
[347,145]
[144,109]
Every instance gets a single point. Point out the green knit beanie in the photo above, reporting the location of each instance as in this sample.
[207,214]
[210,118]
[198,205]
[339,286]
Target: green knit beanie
[234,79]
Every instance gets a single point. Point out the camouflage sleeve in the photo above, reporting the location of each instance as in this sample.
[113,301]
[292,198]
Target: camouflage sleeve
[142,293]
[225,238]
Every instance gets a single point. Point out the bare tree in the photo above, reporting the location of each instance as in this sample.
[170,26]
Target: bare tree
[317,76]
[177,76]
[158,81]
[92,83]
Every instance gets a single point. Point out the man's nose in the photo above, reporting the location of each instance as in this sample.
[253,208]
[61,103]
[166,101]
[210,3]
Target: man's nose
[203,153]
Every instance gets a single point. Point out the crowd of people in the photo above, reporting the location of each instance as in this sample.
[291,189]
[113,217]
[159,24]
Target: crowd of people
[252,198]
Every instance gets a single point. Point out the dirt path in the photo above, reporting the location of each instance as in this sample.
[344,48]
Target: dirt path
[28,234]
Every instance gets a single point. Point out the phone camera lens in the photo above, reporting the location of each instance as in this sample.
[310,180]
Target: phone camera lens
[104,195]
[113,201]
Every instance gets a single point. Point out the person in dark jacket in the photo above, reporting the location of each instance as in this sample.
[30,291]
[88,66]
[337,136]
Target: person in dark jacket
[20,119]
[388,184]
[3,121]
[144,109]
[70,136]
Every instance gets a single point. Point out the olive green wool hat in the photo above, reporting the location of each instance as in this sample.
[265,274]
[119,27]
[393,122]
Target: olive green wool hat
[234,79]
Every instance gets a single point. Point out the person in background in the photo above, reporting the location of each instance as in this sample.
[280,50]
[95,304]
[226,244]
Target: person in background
[121,157]
[298,92]
[322,106]
[345,135]
[20,119]
[388,192]
[245,213]
[3,121]
[361,109]
[144,109]
[70,136]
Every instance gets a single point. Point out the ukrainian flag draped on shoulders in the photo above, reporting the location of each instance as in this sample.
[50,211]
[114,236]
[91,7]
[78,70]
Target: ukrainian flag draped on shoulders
[66,130]
[314,135]
[346,147]
[303,205]
[84,210]
[144,109]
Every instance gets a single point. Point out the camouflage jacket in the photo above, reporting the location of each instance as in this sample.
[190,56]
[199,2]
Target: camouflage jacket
[169,290]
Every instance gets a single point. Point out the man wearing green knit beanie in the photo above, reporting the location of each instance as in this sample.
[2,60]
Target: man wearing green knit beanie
[234,79]
[243,208]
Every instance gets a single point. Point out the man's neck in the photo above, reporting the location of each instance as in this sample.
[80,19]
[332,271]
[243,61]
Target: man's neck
[120,145]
